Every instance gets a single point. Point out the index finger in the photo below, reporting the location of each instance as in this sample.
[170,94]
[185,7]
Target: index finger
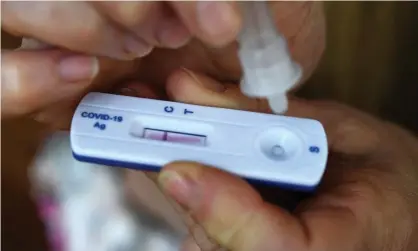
[214,22]
[154,22]
[76,26]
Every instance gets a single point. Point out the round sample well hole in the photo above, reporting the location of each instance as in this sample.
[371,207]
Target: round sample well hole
[279,143]
[277,151]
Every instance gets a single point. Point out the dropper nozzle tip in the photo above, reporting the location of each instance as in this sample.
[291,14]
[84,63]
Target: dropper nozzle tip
[278,103]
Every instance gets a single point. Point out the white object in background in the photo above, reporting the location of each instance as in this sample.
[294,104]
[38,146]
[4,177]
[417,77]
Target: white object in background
[146,134]
[269,71]
[93,211]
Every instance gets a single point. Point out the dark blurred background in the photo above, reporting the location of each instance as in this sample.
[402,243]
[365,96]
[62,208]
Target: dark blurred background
[371,62]
[371,59]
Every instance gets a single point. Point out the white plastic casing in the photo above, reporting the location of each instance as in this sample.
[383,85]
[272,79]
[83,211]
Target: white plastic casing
[269,71]
[110,129]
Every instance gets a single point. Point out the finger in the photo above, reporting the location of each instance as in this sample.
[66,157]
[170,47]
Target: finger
[33,44]
[214,22]
[190,245]
[59,114]
[198,240]
[247,223]
[154,22]
[303,25]
[138,89]
[76,26]
[31,80]
[348,131]
[190,87]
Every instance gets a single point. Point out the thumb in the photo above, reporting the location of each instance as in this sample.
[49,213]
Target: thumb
[31,80]
[232,213]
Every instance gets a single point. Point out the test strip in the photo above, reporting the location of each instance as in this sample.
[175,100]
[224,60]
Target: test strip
[147,134]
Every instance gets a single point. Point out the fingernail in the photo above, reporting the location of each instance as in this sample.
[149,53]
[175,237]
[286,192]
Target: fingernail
[211,85]
[136,48]
[78,68]
[176,186]
[172,33]
[217,18]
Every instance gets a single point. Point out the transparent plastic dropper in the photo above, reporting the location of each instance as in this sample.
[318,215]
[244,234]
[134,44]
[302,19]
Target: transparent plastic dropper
[269,71]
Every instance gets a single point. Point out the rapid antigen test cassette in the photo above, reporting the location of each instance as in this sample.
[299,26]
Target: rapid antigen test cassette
[146,134]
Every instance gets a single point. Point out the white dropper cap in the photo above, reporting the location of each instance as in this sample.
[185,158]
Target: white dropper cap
[269,71]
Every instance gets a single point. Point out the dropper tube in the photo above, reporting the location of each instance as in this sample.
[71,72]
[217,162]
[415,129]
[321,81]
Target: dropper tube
[269,71]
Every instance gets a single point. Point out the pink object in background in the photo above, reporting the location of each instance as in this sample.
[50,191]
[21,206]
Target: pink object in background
[49,212]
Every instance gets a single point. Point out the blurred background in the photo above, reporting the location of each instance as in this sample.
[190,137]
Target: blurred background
[370,62]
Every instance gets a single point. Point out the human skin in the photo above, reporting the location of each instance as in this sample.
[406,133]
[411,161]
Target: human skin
[28,74]
[371,180]
[367,200]
[302,23]
[122,29]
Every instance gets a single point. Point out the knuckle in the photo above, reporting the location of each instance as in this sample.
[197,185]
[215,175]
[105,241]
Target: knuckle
[236,233]
[131,14]
[43,118]
[89,32]
[14,96]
